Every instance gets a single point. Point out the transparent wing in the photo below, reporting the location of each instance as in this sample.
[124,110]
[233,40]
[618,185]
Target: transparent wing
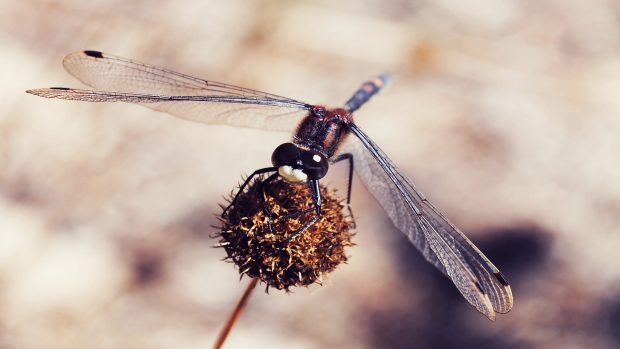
[124,80]
[229,110]
[441,243]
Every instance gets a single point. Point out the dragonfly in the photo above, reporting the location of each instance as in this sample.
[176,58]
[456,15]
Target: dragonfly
[321,136]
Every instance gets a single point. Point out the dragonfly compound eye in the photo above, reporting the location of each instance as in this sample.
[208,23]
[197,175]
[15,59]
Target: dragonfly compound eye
[286,154]
[315,165]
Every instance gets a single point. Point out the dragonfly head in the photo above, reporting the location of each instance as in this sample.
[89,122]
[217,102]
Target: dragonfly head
[298,165]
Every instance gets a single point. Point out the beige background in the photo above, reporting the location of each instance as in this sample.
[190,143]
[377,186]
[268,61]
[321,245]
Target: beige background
[506,113]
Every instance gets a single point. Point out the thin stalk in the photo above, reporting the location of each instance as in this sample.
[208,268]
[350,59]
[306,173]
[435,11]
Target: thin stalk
[221,338]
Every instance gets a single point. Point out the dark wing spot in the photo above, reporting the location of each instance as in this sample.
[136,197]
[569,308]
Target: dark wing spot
[501,278]
[95,54]
[60,88]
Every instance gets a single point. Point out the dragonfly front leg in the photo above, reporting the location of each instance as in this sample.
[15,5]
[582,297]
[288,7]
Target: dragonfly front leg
[247,181]
[262,185]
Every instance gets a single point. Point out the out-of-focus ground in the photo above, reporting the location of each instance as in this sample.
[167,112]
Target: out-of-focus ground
[506,113]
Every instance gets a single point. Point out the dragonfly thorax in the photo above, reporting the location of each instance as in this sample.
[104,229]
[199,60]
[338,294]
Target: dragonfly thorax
[297,165]
[323,130]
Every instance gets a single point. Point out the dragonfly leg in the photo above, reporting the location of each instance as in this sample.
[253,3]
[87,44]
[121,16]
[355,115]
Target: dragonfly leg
[316,198]
[262,185]
[341,157]
[247,181]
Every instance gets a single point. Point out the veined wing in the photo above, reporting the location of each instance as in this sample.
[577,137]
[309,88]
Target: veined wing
[441,243]
[124,80]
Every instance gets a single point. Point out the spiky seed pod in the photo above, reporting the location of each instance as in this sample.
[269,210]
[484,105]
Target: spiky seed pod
[268,254]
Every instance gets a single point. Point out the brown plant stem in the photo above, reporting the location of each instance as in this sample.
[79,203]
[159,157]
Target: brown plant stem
[221,338]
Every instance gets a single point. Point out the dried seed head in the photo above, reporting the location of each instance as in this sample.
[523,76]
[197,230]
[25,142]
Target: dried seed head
[268,254]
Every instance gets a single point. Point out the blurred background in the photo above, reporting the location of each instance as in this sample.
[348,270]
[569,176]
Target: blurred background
[506,113]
